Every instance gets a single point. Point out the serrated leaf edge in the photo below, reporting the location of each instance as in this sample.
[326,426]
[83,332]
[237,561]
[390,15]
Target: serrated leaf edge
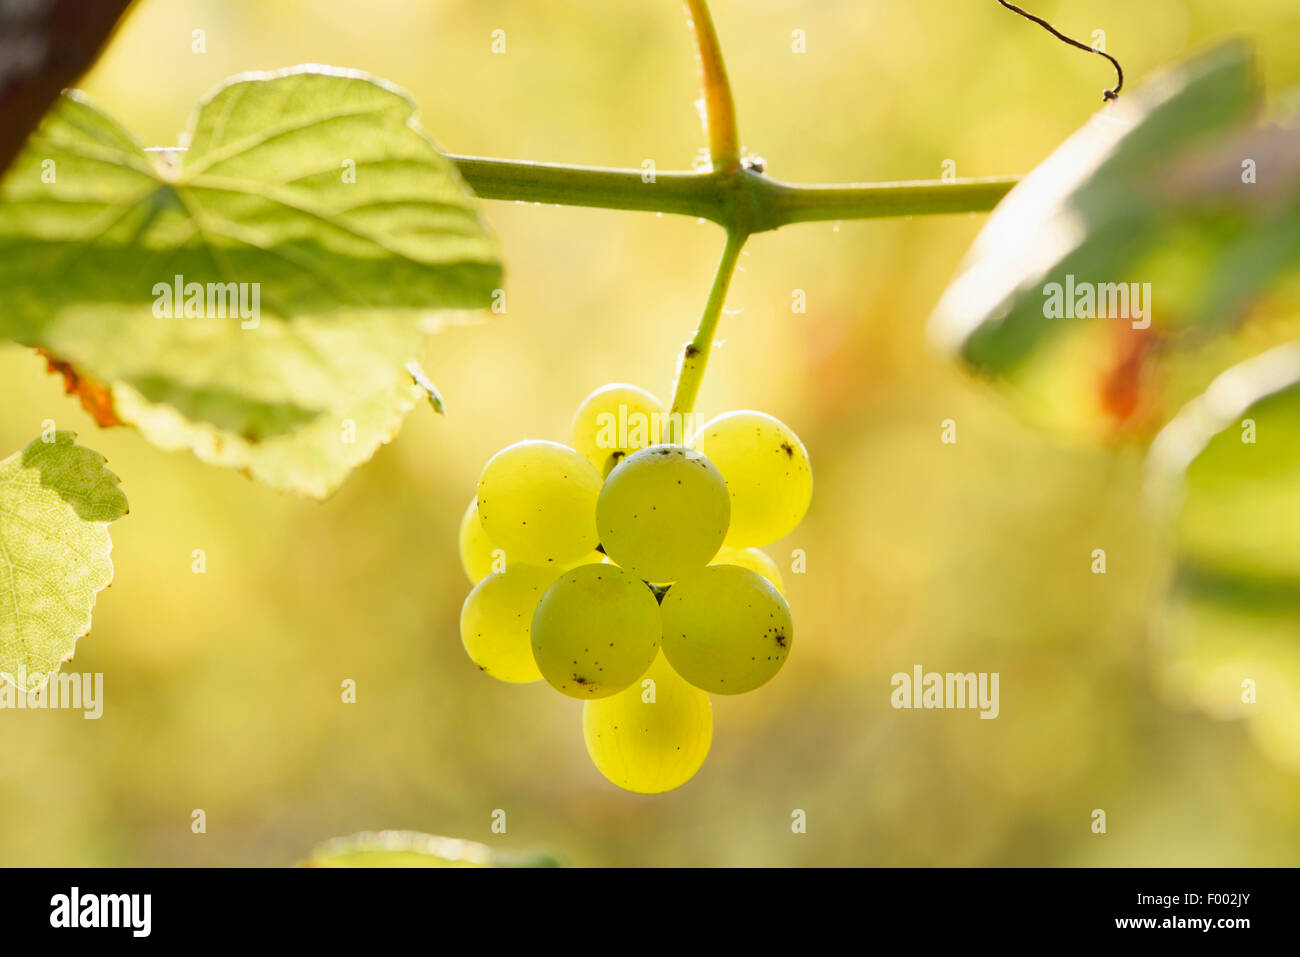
[94,597]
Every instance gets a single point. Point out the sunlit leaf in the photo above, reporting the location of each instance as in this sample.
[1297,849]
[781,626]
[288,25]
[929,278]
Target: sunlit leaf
[1227,469]
[1153,213]
[320,228]
[56,500]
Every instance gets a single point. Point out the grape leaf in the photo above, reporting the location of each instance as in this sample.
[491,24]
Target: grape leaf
[412,849]
[315,229]
[56,500]
[1227,469]
[1150,192]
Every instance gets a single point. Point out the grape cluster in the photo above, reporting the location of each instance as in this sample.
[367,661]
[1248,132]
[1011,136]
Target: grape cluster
[624,571]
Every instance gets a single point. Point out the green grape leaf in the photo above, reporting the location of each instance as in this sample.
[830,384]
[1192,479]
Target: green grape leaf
[255,296]
[412,849]
[1144,236]
[56,500]
[1227,471]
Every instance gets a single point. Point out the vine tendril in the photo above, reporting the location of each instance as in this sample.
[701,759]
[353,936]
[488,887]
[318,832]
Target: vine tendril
[1112,94]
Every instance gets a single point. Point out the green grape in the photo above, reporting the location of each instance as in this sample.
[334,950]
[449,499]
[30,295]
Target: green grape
[767,473]
[651,737]
[496,621]
[663,512]
[615,421]
[479,557]
[477,553]
[595,631]
[593,557]
[537,502]
[755,560]
[726,629]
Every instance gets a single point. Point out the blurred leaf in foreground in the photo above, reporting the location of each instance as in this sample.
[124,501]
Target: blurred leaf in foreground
[1147,234]
[1228,470]
[56,500]
[412,849]
[255,297]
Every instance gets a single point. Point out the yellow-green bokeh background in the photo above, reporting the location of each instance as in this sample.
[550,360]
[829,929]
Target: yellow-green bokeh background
[223,689]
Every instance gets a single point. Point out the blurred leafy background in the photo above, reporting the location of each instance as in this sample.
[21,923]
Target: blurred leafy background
[223,689]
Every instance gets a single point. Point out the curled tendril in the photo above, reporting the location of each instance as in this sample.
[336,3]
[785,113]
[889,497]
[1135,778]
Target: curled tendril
[1112,94]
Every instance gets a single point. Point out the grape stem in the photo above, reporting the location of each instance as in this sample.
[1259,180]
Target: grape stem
[738,200]
[736,195]
[719,107]
[695,357]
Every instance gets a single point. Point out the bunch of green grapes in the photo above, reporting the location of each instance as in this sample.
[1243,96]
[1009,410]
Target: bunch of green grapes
[624,570]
